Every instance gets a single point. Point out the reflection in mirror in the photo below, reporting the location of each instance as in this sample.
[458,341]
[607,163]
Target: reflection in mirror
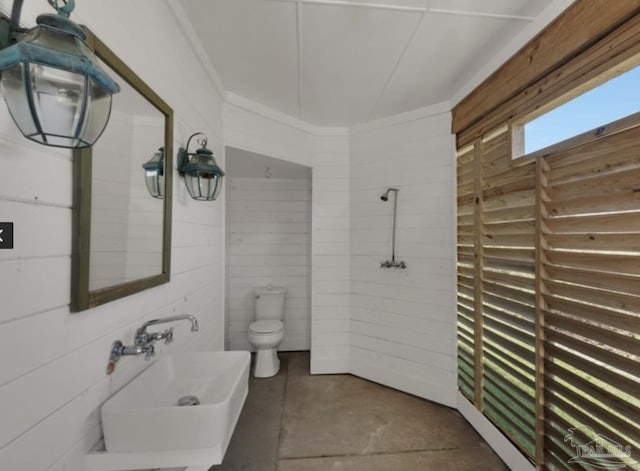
[126,222]
[121,233]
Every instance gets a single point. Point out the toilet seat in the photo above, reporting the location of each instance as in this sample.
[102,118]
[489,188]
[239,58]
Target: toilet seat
[266,327]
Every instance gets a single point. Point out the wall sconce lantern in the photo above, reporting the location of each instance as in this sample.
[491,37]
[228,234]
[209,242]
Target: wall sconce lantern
[56,92]
[201,173]
[154,174]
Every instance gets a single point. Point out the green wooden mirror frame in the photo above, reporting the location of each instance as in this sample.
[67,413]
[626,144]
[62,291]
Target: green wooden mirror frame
[82,297]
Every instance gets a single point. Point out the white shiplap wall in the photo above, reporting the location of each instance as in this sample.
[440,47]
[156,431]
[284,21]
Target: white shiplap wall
[402,321]
[52,379]
[110,203]
[269,242]
[253,127]
[331,260]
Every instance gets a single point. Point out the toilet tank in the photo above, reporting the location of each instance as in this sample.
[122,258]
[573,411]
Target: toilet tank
[269,303]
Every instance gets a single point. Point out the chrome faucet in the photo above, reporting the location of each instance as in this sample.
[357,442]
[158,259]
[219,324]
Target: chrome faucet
[143,337]
[143,341]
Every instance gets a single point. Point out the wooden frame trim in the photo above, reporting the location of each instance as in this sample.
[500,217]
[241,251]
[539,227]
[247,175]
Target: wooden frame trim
[587,25]
[541,185]
[478,293]
[81,296]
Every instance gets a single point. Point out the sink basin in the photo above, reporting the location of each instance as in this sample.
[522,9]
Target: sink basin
[145,416]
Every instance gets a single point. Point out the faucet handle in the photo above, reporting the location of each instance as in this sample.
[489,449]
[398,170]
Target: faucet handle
[149,352]
[168,335]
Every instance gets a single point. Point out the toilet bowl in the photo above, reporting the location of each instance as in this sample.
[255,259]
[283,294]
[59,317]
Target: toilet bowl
[267,331]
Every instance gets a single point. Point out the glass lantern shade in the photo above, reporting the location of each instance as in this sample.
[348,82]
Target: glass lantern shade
[202,176]
[56,92]
[154,174]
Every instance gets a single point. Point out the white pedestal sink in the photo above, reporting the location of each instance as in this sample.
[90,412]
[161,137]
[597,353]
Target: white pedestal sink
[144,427]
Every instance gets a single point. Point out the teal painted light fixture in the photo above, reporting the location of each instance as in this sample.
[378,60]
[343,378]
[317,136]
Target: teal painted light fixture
[201,173]
[57,93]
[154,174]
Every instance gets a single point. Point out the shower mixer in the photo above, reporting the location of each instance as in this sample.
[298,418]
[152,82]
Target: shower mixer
[392,263]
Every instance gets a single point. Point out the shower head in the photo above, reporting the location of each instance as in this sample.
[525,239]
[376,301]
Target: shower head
[385,195]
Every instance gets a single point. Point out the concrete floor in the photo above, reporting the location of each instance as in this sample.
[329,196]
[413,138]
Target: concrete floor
[298,422]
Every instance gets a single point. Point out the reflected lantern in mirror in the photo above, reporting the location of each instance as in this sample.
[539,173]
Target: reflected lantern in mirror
[154,174]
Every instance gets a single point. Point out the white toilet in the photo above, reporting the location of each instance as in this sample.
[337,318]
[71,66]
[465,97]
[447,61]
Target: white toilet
[267,331]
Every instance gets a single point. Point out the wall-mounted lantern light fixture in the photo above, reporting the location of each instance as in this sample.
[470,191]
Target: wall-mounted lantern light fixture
[201,173]
[56,92]
[154,174]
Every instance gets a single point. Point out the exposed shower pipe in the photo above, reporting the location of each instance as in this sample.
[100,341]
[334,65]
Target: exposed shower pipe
[392,263]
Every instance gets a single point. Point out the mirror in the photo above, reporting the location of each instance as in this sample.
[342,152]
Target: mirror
[121,234]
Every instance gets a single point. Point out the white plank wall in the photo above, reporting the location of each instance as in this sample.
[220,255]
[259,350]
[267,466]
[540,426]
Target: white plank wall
[110,202]
[52,362]
[144,251]
[402,321]
[331,271]
[253,127]
[269,242]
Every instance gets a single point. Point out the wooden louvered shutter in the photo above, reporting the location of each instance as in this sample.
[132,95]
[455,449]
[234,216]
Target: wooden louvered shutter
[496,285]
[591,261]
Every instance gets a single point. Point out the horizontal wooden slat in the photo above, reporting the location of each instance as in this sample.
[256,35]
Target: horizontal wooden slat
[510,331]
[506,425]
[556,428]
[593,335]
[509,240]
[466,219]
[465,281]
[616,319]
[466,322]
[602,353]
[465,189]
[512,175]
[588,294]
[498,343]
[596,262]
[613,282]
[603,423]
[605,411]
[515,308]
[602,155]
[504,163]
[618,242]
[495,362]
[510,228]
[597,186]
[465,240]
[523,398]
[507,255]
[510,293]
[600,223]
[509,266]
[464,340]
[521,423]
[503,188]
[465,251]
[522,213]
[511,200]
[464,177]
[522,280]
[465,271]
[624,200]
[603,373]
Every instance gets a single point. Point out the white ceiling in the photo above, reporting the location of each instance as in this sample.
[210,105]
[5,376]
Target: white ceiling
[345,62]
[244,164]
